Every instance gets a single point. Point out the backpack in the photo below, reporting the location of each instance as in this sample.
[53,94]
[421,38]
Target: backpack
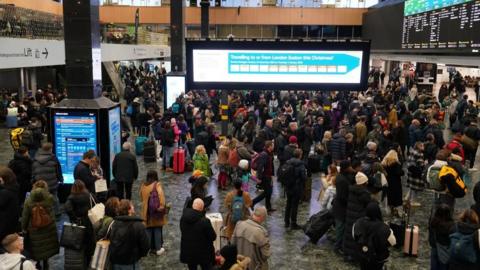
[255,161]
[130,110]
[237,209]
[433,179]
[457,187]
[462,247]
[239,119]
[154,204]
[16,138]
[376,181]
[40,217]
[27,137]
[286,175]
[176,108]
[364,238]
[233,158]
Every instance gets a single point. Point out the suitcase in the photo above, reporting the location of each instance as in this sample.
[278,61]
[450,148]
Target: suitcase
[307,193]
[315,163]
[318,225]
[179,160]
[149,151]
[139,144]
[410,245]
[217,223]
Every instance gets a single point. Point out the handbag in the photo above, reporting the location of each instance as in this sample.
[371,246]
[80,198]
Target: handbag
[101,186]
[100,256]
[72,236]
[96,212]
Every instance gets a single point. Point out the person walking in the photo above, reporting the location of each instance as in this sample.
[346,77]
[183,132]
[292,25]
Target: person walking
[264,169]
[125,171]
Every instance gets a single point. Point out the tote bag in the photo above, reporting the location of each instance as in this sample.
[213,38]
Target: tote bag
[96,212]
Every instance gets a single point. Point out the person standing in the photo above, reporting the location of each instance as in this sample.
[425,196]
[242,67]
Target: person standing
[9,206]
[295,191]
[21,165]
[394,171]
[35,127]
[168,143]
[152,195]
[470,143]
[83,171]
[237,202]
[47,167]
[264,169]
[13,259]
[196,246]
[251,239]
[415,166]
[125,171]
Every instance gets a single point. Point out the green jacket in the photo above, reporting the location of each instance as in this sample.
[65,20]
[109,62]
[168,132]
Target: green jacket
[200,162]
[43,242]
[101,231]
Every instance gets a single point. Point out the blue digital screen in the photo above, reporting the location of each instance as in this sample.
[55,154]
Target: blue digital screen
[115,135]
[75,133]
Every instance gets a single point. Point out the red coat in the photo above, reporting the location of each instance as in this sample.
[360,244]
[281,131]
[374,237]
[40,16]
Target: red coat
[454,143]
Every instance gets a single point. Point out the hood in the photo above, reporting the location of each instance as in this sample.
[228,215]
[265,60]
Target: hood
[43,156]
[439,164]
[10,261]
[357,190]
[295,162]
[337,136]
[191,216]
[39,194]
[476,193]
[18,156]
[373,211]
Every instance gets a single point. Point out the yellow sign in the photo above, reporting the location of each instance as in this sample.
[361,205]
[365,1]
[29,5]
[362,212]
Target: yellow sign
[224,107]
[225,117]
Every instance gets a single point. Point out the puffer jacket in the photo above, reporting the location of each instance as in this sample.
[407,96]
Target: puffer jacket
[200,162]
[9,210]
[47,167]
[22,167]
[300,177]
[196,245]
[128,240]
[43,241]
[338,147]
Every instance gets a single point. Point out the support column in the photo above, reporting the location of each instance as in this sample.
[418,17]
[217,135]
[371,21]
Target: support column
[177,35]
[224,110]
[33,80]
[205,6]
[23,85]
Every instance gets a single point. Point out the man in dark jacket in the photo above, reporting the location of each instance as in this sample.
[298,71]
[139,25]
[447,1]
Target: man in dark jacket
[129,241]
[47,167]
[9,206]
[344,179]
[295,189]
[288,150]
[83,172]
[21,165]
[196,246]
[35,127]
[125,171]
[338,147]
[470,144]
[476,197]
[265,169]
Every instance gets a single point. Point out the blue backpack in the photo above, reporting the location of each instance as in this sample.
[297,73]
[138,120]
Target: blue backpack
[237,209]
[462,247]
[176,108]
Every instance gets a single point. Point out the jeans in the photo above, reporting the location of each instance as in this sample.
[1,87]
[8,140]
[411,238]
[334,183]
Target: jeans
[339,231]
[266,194]
[291,209]
[135,266]
[193,266]
[435,264]
[124,189]
[167,155]
[56,203]
[155,234]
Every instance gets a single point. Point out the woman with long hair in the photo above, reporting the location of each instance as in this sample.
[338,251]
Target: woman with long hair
[222,163]
[234,198]
[439,231]
[394,173]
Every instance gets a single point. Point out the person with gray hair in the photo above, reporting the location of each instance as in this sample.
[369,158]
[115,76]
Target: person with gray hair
[125,171]
[251,239]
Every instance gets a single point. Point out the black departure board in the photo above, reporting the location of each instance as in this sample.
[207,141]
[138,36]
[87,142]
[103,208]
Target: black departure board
[440,26]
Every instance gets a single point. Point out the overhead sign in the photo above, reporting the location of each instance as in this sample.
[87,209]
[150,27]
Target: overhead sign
[277,65]
[18,52]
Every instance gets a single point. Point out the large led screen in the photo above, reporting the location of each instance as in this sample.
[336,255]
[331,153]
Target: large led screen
[277,65]
[74,134]
[115,134]
[175,87]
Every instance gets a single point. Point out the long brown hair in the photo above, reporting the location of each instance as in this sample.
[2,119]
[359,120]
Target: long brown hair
[8,177]
[78,187]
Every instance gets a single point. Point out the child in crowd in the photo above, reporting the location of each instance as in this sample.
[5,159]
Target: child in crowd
[200,161]
[245,174]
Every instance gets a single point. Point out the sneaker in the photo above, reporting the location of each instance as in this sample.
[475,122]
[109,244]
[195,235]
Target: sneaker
[473,169]
[415,204]
[160,251]
[271,211]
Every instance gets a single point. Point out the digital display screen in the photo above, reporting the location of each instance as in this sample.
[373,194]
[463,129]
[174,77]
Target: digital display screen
[441,24]
[75,133]
[175,87]
[115,135]
[275,65]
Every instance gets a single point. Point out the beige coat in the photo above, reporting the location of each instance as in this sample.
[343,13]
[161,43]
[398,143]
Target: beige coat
[228,205]
[144,194]
[252,241]
[223,152]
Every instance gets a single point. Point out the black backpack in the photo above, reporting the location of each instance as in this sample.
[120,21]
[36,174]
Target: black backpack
[286,175]
[364,238]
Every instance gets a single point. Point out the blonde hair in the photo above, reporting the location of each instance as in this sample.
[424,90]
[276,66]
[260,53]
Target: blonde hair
[327,135]
[40,184]
[390,158]
[200,149]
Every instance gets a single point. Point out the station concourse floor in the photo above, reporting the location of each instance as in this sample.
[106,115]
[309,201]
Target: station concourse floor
[290,249]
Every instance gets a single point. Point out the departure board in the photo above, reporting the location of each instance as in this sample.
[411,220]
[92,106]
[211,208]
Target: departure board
[441,24]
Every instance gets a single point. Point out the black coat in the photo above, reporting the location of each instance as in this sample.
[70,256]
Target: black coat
[128,240]
[22,167]
[338,147]
[465,228]
[394,179]
[9,210]
[339,207]
[47,167]
[124,167]
[300,177]
[82,172]
[196,245]
[358,199]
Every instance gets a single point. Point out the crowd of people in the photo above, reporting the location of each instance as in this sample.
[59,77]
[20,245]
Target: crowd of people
[366,145]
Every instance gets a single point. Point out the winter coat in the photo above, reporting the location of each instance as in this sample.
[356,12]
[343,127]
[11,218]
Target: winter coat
[300,174]
[379,233]
[338,147]
[196,245]
[9,210]
[394,179]
[415,134]
[22,167]
[129,241]
[252,241]
[43,241]
[82,172]
[76,207]
[287,153]
[223,152]
[247,202]
[466,228]
[339,206]
[145,191]
[13,261]
[360,133]
[476,198]
[415,166]
[47,167]
[102,229]
[200,162]
[124,167]
[358,199]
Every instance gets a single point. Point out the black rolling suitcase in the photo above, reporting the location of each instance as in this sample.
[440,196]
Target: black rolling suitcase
[315,163]
[318,225]
[149,151]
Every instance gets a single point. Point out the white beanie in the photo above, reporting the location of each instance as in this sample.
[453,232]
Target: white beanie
[243,164]
[361,178]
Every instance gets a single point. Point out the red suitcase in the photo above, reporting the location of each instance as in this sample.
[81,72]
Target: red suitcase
[179,160]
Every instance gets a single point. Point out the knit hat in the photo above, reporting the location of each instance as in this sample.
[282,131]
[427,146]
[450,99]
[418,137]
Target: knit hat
[197,173]
[361,178]
[292,139]
[229,252]
[243,164]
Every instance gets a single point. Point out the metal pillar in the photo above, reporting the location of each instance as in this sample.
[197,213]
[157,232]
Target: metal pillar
[205,6]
